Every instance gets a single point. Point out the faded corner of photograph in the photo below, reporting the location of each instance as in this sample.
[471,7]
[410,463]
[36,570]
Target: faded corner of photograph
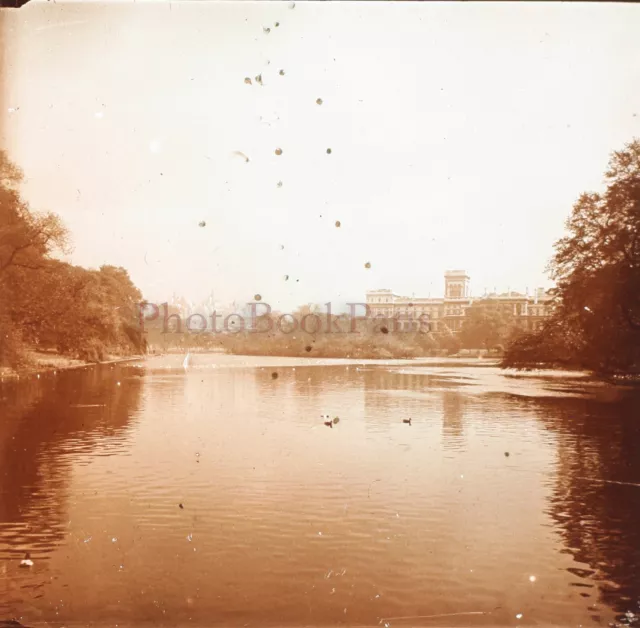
[318,314]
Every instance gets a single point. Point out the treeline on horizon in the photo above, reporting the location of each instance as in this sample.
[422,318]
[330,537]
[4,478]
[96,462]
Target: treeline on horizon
[594,322]
[486,331]
[47,305]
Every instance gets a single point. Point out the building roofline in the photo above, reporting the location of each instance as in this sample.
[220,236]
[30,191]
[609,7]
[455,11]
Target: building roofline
[456,273]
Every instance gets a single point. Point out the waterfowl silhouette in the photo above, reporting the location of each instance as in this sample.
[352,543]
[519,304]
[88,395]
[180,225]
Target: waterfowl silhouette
[26,561]
[326,419]
[406,421]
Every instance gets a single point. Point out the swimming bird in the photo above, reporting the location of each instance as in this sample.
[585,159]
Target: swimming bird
[328,422]
[407,421]
[26,561]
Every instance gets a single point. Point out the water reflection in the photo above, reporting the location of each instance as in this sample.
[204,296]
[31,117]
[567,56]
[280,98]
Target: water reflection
[46,422]
[596,497]
[216,492]
[452,423]
[596,500]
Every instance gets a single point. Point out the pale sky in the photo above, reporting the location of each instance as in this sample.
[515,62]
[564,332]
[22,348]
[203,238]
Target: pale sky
[461,135]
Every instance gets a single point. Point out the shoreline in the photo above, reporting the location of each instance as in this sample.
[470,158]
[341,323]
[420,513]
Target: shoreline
[43,363]
[53,362]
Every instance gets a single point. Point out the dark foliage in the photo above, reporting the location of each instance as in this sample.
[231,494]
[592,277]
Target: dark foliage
[48,304]
[595,324]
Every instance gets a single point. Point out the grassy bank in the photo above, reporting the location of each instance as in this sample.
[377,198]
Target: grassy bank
[42,362]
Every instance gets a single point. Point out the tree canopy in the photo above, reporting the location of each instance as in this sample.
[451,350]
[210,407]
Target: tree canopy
[26,238]
[46,303]
[486,326]
[596,318]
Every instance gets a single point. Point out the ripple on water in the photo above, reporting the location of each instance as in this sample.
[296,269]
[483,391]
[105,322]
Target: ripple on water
[406,520]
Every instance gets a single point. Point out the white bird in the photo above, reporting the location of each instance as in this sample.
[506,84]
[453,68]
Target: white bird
[26,561]
[187,361]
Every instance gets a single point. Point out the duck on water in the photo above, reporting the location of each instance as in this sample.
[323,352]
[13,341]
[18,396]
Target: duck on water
[327,420]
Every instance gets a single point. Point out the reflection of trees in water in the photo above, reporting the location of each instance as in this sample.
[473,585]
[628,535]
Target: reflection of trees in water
[599,521]
[452,418]
[445,400]
[34,471]
[598,439]
[381,378]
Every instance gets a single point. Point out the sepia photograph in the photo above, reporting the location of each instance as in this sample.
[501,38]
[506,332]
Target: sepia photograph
[319,314]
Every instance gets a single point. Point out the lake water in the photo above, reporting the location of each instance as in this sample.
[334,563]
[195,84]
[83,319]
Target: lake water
[216,496]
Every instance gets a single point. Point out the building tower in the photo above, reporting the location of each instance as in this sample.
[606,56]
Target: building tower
[456,284]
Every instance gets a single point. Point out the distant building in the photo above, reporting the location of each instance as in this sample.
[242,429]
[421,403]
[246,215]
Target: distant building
[447,312]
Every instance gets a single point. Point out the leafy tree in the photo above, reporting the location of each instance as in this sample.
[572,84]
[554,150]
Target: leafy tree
[26,238]
[596,319]
[47,303]
[486,325]
[449,341]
